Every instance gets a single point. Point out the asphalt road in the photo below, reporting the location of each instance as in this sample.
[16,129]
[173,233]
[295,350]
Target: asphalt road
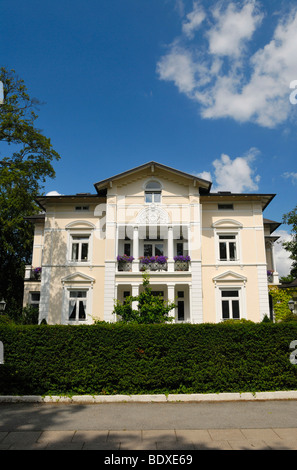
[145,416]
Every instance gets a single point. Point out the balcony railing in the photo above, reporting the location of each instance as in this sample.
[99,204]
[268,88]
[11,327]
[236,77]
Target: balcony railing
[32,274]
[153,263]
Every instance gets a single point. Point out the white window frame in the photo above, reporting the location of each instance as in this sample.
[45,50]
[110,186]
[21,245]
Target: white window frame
[66,304]
[229,299]
[241,297]
[233,233]
[229,238]
[153,192]
[85,237]
[154,243]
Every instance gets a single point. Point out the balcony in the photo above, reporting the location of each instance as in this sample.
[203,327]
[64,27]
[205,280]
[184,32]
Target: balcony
[153,264]
[272,277]
[32,274]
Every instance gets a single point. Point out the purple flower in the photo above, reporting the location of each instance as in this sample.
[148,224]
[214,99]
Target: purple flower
[153,259]
[182,258]
[125,258]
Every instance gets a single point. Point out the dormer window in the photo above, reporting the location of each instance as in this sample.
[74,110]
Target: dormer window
[153,192]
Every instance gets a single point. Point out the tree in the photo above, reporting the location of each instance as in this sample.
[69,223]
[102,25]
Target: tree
[24,167]
[291,219]
[150,308]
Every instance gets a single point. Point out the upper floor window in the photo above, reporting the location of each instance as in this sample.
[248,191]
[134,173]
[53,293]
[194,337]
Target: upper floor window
[227,247]
[79,247]
[153,192]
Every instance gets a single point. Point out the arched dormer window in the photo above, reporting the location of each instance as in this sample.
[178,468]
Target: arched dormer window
[153,192]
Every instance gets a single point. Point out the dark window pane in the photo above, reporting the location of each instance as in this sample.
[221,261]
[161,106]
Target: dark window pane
[223,251]
[127,249]
[148,250]
[235,308]
[229,293]
[179,249]
[81,311]
[84,251]
[159,251]
[180,310]
[225,309]
[232,249]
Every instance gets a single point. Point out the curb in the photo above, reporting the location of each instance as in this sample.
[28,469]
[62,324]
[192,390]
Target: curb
[171,398]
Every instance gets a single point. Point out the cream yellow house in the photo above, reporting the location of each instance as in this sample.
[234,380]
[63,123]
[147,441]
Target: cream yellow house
[208,252]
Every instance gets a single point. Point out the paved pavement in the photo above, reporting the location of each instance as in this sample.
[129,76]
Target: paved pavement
[176,426]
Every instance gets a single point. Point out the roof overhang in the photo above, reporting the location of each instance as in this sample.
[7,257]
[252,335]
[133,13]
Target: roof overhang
[225,196]
[152,166]
[43,201]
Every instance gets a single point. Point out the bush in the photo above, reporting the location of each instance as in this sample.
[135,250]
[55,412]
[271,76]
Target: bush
[134,359]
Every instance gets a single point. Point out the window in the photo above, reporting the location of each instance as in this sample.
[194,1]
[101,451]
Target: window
[80,247]
[127,249]
[153,249]
[77,305]
[81,208]
[158,293]
[227,248]
[228,207]
[153,192]
[180,306]
[230,304]
[35,299]
[180,249]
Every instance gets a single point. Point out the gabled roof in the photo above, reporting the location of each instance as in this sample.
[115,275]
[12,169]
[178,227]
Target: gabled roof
[203,184]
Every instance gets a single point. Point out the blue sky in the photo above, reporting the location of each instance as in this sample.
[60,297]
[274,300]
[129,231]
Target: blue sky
[202,86]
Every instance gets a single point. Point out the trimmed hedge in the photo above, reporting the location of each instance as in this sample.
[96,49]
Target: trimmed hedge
[135,359]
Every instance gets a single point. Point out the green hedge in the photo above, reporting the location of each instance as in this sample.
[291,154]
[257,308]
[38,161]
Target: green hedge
[135,359]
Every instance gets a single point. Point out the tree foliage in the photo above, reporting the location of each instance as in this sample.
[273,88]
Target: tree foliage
[291,246]
[150,308]
[25,163]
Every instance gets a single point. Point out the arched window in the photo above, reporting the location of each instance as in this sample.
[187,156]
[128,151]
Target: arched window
[153,191]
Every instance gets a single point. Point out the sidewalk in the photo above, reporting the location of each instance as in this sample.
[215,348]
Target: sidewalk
[262,421]
[170,440]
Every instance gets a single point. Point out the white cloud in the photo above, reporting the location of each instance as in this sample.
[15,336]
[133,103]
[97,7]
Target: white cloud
[233,27]
[282,261]
[194,20]
[205,175]
[236,175]
[222,76]
[291,175]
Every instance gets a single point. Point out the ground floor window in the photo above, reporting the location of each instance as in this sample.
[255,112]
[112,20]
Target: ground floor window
[77,305]
[180,306]
[230,303]
[34,299]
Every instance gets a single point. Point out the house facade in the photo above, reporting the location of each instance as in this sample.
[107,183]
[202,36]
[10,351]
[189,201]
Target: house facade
[210,253]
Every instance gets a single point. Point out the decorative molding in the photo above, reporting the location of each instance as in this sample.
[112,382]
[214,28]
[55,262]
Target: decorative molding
[226,223]
[80,224]
[152,214]
[229,276]
[78,277]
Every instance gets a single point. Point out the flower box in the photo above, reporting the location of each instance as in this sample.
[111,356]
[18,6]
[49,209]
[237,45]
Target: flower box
[153,263]
[125,262]
[181,263]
